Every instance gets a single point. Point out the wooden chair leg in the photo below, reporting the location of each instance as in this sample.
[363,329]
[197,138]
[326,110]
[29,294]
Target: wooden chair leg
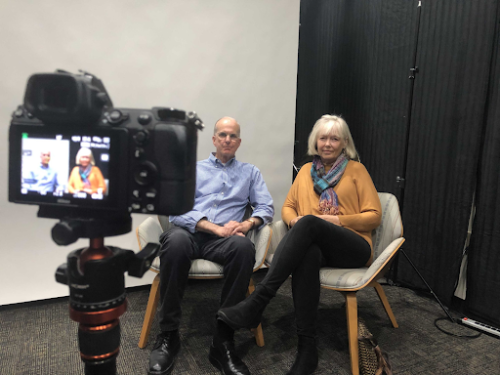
[351,306]
[258,333]
[154,296]
[385,302]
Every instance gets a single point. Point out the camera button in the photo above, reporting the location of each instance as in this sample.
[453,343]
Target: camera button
[137,194]
[141,137]
[139,153]
[136,206]
[150,207]
[144,118]
[151,194]
[19,113]
[145,173]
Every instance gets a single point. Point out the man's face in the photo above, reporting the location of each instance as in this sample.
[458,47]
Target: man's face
[45,157]
[226,139]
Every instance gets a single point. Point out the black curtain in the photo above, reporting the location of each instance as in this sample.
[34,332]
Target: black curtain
[447,120]
[483,286]
[355,59]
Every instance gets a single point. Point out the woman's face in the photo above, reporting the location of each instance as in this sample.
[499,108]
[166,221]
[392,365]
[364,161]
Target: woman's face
[84,160]
[329,147]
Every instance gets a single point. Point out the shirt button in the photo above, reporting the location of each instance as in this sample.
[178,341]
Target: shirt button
[215,205]
[222,193]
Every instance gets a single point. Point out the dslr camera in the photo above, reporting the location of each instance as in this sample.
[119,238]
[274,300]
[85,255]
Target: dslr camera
[91,165]
[72,153]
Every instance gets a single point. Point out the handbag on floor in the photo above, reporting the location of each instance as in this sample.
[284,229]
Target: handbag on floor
[372,360]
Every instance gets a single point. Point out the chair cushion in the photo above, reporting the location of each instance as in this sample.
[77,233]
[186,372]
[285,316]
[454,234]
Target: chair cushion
[199,268]
[342,277]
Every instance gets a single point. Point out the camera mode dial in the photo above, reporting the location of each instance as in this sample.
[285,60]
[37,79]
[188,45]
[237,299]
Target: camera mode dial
[116,117]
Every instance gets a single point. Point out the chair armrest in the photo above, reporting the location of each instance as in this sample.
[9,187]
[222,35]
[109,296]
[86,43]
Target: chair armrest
[374,272]
[261,239]
[148,231]
[279,229]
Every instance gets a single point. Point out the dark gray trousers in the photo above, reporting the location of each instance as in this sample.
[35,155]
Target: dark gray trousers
[179,247]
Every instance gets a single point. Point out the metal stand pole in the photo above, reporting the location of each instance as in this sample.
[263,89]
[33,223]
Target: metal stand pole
[402,179]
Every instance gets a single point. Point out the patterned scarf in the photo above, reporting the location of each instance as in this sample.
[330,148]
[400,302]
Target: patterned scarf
[84,174]
[325,182]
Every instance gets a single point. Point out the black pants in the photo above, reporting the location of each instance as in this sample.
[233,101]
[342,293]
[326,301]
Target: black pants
[310,244]
[179,247]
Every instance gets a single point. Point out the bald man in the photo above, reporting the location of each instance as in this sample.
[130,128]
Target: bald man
[42,178]
[214,230]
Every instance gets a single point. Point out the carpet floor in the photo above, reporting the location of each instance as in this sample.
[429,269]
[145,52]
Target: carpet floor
[39,338]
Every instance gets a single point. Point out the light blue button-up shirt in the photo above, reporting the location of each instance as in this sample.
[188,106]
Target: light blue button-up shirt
[42,179]
[223,192]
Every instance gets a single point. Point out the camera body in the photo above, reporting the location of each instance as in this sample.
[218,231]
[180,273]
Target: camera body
[100,158]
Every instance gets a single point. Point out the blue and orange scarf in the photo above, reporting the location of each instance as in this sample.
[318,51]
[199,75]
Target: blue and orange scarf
[325,182]
[84,175]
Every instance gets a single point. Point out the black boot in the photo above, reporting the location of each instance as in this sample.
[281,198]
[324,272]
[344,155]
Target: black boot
[247,313]
[306,360]
[162,358]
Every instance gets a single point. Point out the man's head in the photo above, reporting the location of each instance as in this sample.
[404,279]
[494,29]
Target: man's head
[226,138]
[45,158]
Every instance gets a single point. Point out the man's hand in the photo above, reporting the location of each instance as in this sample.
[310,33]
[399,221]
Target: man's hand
[223,231]
[239,229]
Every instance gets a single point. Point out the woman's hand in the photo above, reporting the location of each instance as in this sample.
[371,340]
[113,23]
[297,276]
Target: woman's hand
[331,219]
[294,221]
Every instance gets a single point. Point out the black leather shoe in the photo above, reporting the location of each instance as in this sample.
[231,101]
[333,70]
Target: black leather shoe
[222,356]
[162,358]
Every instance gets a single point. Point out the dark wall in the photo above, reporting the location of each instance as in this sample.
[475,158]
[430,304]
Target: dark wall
[355,59]
[484,253]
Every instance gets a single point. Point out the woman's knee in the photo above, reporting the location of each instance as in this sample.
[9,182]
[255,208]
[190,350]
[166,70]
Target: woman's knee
[306,224]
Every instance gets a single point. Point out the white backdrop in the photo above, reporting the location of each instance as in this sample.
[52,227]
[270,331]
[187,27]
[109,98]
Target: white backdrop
[217,57]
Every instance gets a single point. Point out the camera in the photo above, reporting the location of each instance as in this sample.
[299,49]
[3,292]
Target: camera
[91,165]
[74,154]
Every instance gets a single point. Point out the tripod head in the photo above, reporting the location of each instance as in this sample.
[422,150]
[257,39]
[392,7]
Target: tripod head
[96,282]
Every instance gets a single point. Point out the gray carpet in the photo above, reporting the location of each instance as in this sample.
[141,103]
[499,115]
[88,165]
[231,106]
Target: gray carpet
[41,339]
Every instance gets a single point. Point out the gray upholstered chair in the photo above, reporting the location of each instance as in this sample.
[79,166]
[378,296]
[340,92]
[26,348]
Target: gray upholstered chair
[150,231]
[387,239]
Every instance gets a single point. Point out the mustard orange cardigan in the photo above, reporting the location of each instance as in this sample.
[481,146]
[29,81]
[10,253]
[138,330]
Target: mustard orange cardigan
[96,179]
[359,205]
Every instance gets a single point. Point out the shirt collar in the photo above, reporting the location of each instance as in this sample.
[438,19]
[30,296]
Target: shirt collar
[216,161]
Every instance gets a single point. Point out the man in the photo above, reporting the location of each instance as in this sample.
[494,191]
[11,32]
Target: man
[212,230]
[43,178]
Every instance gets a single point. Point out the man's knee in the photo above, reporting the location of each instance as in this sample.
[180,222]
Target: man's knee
[243,248]
[176,243]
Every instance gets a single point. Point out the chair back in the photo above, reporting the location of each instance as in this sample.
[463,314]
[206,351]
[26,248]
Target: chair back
[391,226]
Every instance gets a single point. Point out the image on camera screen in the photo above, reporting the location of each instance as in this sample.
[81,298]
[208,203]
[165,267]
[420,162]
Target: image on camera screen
[73,166]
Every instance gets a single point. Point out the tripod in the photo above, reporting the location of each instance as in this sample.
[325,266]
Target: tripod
[96,281]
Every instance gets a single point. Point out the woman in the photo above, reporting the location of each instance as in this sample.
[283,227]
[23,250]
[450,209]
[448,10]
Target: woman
[86,176]
[331,210]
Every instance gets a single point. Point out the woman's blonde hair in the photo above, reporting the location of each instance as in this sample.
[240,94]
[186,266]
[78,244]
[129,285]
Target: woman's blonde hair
[331,124]
[84,152]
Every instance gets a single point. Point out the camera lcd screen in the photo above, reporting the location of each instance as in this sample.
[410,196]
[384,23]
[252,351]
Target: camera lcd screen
[65,168]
